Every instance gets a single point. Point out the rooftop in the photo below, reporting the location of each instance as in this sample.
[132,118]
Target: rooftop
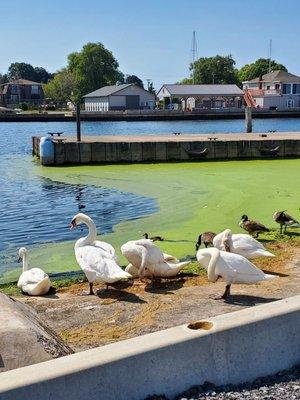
[276,76]
[21,82]
[108,90]
[210,90]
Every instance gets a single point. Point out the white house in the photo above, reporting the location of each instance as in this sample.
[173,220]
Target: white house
[119,97]
[201,96]
[277,89]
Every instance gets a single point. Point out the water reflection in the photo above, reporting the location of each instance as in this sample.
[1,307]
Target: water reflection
[44,213]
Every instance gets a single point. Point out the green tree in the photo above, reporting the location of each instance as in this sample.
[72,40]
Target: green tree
[3,78]
[151,88]
[61,87]
[41,75]
[21,71]
[134,79]
[92,68]
[258,68]
[217,69]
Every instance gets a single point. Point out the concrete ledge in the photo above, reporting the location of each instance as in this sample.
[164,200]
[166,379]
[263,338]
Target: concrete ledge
[240,346]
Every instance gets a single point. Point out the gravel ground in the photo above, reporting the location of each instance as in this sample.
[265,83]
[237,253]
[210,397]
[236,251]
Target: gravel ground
[284,386]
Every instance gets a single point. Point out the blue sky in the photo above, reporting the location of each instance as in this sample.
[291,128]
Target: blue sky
[151,39]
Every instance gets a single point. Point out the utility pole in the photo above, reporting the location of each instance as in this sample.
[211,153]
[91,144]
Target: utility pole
[194,54]
[270,54]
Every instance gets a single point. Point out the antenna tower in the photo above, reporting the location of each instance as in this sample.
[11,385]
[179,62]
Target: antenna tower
[270,54]
[194,51]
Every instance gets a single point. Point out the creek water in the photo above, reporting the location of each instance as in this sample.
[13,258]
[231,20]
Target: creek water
[36,210]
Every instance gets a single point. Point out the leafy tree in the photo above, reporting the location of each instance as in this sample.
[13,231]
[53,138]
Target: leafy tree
[93,67]
[3,78]
[134,79]
[218,70]
[61,87]
[27,71]
[41,75]
[186,81]
[21,71]
[258,68]
[151,88]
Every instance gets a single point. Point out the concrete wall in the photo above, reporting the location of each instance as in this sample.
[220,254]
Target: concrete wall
[114,152]
[230,348]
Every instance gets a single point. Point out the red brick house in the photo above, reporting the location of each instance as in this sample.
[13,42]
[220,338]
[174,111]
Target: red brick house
[21,91]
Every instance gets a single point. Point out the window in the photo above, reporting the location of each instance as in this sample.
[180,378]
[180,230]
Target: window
[268,87]
[14,89]
[34,89]
[286,88]
[277,86]
[296,88]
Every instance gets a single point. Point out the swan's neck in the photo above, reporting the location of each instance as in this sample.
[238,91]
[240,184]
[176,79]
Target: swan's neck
[211,269]
[25,262]
[91,237]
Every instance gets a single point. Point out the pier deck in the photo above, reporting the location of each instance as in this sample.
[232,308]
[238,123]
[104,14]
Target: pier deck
[183,147]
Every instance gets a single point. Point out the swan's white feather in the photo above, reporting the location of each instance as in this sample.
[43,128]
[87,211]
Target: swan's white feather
[155,259]
[34,282]
[233,268]
[98,263]
[242,244]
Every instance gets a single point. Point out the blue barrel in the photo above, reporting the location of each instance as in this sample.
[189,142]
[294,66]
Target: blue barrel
[46,151]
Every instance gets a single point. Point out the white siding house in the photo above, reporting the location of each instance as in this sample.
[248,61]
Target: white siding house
[278,89]
[119,97]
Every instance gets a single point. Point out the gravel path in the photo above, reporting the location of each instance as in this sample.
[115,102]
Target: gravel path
[284,386]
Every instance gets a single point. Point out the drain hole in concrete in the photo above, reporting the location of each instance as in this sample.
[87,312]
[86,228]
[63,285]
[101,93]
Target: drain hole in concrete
[200,325]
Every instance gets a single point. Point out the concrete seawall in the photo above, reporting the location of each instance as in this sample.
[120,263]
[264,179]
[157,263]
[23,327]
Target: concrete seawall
[149,115]
[230,348]
[159,148]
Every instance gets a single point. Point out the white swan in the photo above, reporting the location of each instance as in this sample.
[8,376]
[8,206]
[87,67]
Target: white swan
[233,268]
[240,243]
[97,259]
[33,281]
[146,259]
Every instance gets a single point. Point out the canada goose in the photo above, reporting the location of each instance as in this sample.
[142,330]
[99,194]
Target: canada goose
[153,238]
[206,238]
[284,219]
[252,226]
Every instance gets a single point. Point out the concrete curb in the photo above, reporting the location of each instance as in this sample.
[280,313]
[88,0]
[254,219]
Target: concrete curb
[240,346]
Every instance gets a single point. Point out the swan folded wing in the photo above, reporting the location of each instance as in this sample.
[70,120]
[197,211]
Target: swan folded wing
[107,247]
[97,263]
[31,277]
[240,269]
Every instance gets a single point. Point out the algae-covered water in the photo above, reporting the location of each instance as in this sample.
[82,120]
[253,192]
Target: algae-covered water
[175,200]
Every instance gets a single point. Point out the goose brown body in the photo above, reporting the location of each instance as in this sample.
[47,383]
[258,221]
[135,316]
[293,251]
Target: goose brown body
[206,238]
[252,227]
[284,219]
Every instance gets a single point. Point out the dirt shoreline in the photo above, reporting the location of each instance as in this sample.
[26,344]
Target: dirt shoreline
[89,321]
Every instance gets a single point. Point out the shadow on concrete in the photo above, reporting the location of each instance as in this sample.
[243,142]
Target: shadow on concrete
[1,362]
[120,295]
[247,300]
[165,287]
[279,274]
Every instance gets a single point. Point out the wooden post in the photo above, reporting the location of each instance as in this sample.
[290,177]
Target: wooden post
[78,122]
[248,119]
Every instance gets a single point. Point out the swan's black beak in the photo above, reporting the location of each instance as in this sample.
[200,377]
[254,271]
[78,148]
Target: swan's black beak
[73,224]
[19,259]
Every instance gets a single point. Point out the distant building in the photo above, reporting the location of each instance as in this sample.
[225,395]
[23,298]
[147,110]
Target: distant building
[200,96]
[119,97]
[278,89]
[21,91]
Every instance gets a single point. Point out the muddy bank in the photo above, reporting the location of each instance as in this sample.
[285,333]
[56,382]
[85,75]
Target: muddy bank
[128,311]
